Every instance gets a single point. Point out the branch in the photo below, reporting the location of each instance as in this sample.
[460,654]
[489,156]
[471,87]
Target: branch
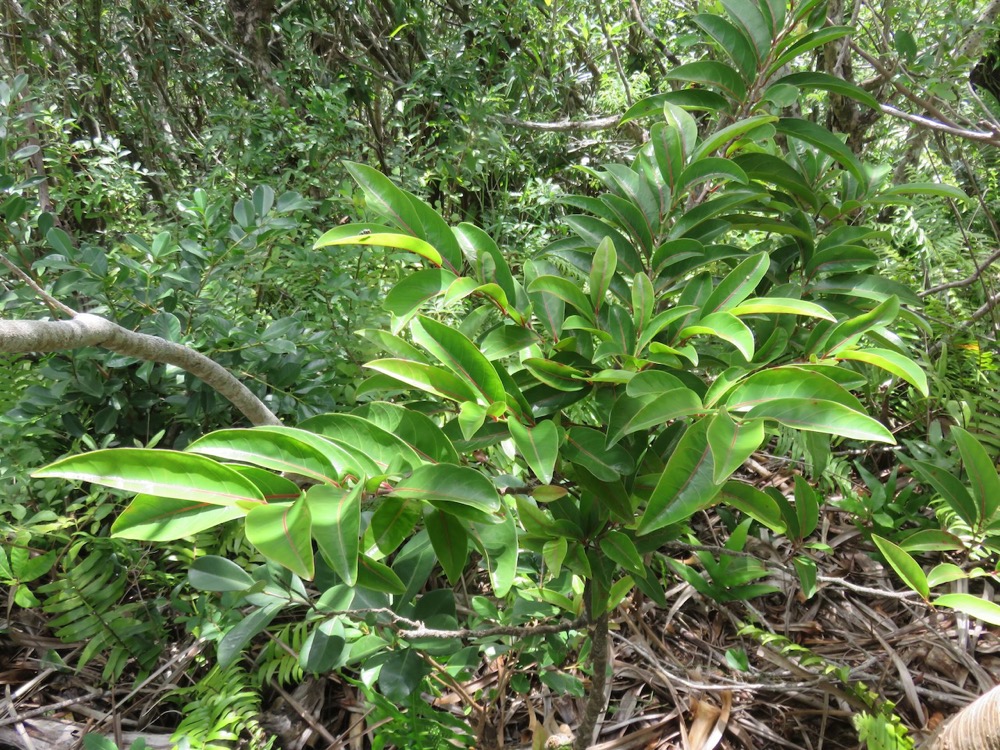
[968,280]
[564,126]
[24,336]
[981,136]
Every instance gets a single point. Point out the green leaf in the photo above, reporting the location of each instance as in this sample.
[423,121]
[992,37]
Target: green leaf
[396,241]
[587,447]
[950,489]
[498,545]
[213,573]
[732,443]
[943,573]
[801,45]
[723,136]
[325,649]
[435,483]
[428,378]
[712,74]
[393,521]
[725,326]
[848,332]
[935,189]
[389,452]
[505,340]
[806,570]
[818,415]
[415,289]
[982,609]
[567,291]
[556,374]
[758,505]
[450,542]
[461,356]
[746,14]
[375,576]
[336,526]
[161,519]
[738,284]
[687,483]
[905,566]
[479,245]
[901,366]
[711,168]
[781,305]
[825,141]
[841,259]
[401,674]
[632,414]
[806,507]
[602,271]
[171,474]
[732,41]
[282,532]
[415,429]
[538,445]
[826,82]
[789,381]
[620,549]
[232,643]
[982,473]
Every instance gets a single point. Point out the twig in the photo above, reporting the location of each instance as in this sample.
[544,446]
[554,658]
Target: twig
[564,126]
[416,629]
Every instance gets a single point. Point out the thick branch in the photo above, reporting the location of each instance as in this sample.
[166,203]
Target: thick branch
[24,336]
[565,126]
[968,280]
[981,136]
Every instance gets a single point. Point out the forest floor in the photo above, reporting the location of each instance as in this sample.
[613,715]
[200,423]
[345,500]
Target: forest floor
[691,676]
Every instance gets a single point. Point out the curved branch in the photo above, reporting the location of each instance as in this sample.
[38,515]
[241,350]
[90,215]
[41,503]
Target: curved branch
[565,126]
[84,329]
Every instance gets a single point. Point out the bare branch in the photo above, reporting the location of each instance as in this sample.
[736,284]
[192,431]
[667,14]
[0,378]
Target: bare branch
[968,280]
[951,128]
[24,336]
[565,126]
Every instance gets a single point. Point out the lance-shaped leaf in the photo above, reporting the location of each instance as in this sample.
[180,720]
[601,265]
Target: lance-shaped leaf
[181,476]
[567,291]
[781,305]
[214,573]
[725,326]
[720,138]
[713,74]
[398,241]
[922,188]
[841,259]
[747,15]
[686,485]
[538,445]
[449,484]
[587,447]
[817,415]
[336,526]
[602,271]
[450,542]
[738,284]
[415,429]
[497,543]
[281,449]
[950,488]
[461,356]
[905,566]
[710,169]
[732,443]
[556,374]
[621,549]
[826,82]
[732,41]
[379,577]
[982,609]
[162,519]
[428,378]
[282,533]
[793,47]
[415,289]
[387,450]
[233,642]
[825,141]
[847,333]
[632,414]
[758,505]
[790,381]
[890,361]
[479,245]
[983,479]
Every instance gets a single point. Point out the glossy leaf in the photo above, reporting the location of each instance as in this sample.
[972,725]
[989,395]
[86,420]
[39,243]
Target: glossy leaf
[538,445]
[387,450]
[565,290]
[788,381]
[686,485]
[451,484]
[214,573]
[905,566]
[732,41]
[712,74]
[602,271]
[893,362]
[825,141]
[336,526]
[951,490]
[633,414]
[171,474]
[781,305]
[413,428]
[282,533]
[497,543]
[982,473]
[427,378]
[758,505]
[982,609]
[725,326]
[161,519]
[738,284]
[450,542]
[847,333]
[746,14]
[397,241]
[587,447]
[233,642]
[378,577]
[826,82]
[461,356]
[620,549]
[732,443]
[817,415]
[414,290]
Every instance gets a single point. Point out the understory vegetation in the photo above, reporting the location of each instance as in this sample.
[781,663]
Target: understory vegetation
[558,374]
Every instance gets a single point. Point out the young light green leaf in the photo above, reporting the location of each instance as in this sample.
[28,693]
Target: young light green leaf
[602,271]
[781,305]
[725,326]
[336,526]
[905,566]
[847,333]
[451,484]
[161,473]
[396,241]
[426,378]
[806,570]
[282,532]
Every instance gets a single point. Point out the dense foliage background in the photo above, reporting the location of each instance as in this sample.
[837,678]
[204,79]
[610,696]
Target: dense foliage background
[573,244]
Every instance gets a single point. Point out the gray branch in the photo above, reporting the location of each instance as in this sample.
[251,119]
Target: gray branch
[84,329]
